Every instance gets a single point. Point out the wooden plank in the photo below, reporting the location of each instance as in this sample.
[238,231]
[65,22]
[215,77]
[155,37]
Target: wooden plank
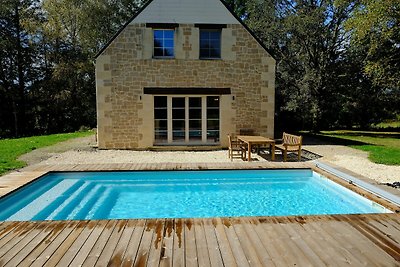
[386,228]
[72,243]
[9,227]
[145,243]
[334,246]
[190,244]
[115,237]
[316,244]
[132,249]
[36,250]
[350,243]
[179,245]
[167,245]
[201,244]
[156,246]
[15,237]
[254,239]
[79,251]
[234,243]
[224,247]
[101,242]
[32,243]
[277,240]
[246,244]
[378,240]
[41,259]
[120,249]
[266,240]
[212,243]
[18,251]
[293,232]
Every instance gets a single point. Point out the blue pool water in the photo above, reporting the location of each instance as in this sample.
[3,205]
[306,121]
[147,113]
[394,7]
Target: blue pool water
[181,194]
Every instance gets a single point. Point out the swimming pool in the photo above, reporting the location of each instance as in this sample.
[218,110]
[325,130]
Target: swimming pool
[181,194]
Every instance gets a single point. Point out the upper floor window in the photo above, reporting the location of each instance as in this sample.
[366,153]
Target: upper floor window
[163,43]
[210,43]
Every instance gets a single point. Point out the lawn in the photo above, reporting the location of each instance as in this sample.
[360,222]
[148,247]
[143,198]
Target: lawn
[383,147]
[11,149]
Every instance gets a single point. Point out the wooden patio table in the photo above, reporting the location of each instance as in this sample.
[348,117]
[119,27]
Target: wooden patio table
[251,140]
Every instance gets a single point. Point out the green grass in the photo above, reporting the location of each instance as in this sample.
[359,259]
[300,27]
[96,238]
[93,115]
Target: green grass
[383,147]
[11,149]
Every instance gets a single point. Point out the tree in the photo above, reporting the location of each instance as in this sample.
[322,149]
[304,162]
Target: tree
[309,41]
[18,57]
[376,24]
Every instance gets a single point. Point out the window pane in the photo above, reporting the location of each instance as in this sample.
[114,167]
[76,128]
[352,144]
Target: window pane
[157,42]
[194,114]
[158,34]
[204,44]
[160,101]
[212,101]
[158,52]
[168,52]
[214,44]
[215,53]
[195,124]
[212,113]
[160,125]
[212,136]
[195,102]
[212,125]
[169,43]
[178,114]
[215,35]
[204,53]
[204,34]
[161,136]
[178,125]
[160,114]
[169,34]
[178,102]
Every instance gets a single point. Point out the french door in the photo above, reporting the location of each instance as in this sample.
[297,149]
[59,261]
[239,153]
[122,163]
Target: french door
[186,120]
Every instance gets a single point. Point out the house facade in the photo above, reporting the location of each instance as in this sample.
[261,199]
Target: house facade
[183,73]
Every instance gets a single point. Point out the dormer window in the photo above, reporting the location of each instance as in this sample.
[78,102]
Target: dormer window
[210,43]
[163,43]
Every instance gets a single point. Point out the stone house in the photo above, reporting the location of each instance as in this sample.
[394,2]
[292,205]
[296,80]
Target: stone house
[183,73]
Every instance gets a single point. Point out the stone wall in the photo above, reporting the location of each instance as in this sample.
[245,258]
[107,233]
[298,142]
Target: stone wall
[125,115]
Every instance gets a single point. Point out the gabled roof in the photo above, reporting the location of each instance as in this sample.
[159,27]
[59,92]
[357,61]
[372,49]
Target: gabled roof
[218,14]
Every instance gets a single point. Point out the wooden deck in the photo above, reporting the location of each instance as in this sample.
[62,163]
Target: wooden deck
[356,240]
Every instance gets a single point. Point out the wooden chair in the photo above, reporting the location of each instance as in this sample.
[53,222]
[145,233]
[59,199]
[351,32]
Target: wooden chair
[235,148]
[291,143]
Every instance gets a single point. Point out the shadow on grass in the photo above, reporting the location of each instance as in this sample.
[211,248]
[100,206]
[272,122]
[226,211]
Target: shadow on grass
[369,134]
[319,139]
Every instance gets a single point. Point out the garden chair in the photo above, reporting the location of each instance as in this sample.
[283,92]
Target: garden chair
[235,148]
[290,143]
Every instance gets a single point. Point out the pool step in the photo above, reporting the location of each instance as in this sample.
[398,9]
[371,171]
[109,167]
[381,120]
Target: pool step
[86,205]
[69,203]
[49,199]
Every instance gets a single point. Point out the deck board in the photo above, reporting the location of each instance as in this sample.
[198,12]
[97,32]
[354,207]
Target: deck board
[354,240]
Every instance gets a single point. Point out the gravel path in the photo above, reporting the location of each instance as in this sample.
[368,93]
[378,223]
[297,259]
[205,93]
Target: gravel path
[82,151]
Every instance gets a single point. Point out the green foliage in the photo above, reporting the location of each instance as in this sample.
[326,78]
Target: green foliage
[320,78]
[383,148]
[376,24]
[47,81]
[11,149]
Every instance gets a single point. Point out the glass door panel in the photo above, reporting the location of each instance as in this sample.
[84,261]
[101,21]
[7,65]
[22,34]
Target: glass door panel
[178,119]
[160,119]
[212,119]
[195,119]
